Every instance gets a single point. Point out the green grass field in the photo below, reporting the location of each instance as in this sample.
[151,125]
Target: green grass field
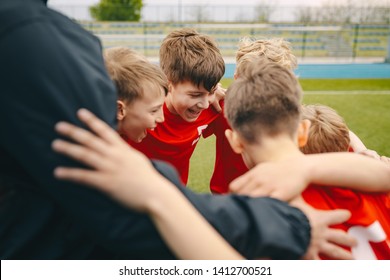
[364,104]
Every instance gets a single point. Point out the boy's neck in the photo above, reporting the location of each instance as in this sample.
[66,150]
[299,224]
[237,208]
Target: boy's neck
[168,104]
[272,149]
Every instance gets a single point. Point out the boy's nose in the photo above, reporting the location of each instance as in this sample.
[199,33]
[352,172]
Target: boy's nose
[203,104]
[160,118]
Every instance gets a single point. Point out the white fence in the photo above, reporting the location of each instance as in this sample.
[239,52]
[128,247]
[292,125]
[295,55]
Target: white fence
[245,13]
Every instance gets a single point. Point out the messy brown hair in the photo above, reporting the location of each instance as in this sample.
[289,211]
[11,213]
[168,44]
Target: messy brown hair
[186,55]
[264,101]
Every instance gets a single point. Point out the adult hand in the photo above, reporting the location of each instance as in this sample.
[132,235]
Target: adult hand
[117,169]
[326,241]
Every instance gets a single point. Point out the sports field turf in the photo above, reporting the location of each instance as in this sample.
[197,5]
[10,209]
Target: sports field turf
[364,104]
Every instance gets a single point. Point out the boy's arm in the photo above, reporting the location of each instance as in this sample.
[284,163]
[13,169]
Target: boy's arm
[358,147]
[355,143]
[184,229]
[287,179]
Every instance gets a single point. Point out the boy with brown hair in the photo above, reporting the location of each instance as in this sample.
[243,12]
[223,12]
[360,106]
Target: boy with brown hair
[263,108]
[193,65]
[141,88]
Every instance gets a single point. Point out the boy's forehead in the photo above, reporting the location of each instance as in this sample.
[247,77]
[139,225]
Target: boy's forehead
[151,98]
[191,86]
[152,89]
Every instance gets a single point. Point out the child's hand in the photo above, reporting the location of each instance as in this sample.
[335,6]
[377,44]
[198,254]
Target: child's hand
[373,154]
[283,180]
[219,95]
[117,169]
[385,160]
[370,153]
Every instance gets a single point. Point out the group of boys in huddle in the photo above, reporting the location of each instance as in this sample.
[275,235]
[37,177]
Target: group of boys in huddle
[138,207]
[163,111]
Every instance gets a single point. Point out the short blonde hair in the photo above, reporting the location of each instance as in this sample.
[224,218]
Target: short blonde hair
[275,49]
[130,71]
[264,101]
[242,64]
[186,55]
[328,131]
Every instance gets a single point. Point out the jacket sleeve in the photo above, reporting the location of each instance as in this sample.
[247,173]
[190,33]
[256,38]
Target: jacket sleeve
[49,68]
[257,227]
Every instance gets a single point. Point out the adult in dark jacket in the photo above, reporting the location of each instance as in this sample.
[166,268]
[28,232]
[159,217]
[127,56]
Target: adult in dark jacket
[49,68]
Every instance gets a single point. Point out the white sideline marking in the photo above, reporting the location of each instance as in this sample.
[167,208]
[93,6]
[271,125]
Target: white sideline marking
[333,92]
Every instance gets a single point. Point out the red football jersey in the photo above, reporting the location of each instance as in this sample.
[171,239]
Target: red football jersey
[175,139]
[370,220]
[228,164]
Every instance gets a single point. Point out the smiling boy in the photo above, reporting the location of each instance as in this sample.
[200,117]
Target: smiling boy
[193,65]
[141,87]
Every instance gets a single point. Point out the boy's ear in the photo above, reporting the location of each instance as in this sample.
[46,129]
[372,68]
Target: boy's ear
[303,132]
[121,110]
[234,141]
[170,85]
[235,76]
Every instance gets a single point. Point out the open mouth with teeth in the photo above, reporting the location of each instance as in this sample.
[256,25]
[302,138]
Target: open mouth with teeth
[194,113]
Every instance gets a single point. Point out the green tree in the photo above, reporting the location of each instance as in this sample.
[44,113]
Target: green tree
[117,10]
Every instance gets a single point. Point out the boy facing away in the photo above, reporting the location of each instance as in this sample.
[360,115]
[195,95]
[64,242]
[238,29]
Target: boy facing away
[228,165]
[263,108]
[193,65]
[370,220]
[329,133]
[141,88]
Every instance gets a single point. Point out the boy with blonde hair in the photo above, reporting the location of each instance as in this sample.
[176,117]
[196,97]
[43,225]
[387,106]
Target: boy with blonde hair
[328,132]
[263,108]
[193,65]
[275,49]
[141,88]
[228,165]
